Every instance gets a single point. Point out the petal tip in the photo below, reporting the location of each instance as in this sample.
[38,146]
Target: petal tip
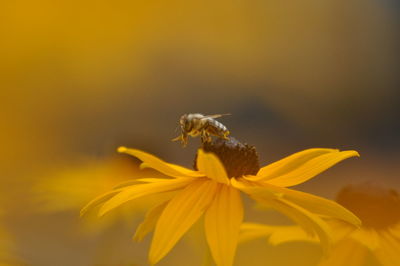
[101,212]
[358,223]
[143,166]
[82,213]
[151,260]
[353,153]
[122,149]
[137,238]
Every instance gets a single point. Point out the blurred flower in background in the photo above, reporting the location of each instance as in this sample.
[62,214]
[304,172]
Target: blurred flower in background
[8,255]
[379,236]
[8,252]
[379,210]
[70,188]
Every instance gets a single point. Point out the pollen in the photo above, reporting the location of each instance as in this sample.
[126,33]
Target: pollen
[377,207]
[238,159]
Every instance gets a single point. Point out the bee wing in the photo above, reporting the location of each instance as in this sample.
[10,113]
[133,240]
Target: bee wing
[216,115]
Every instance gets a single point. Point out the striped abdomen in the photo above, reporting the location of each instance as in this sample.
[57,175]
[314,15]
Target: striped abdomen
[216,128]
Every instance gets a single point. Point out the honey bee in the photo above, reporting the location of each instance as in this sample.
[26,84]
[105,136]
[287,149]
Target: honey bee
[203,125]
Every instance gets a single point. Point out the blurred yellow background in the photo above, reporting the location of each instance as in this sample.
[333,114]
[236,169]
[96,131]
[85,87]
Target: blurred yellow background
[80,78]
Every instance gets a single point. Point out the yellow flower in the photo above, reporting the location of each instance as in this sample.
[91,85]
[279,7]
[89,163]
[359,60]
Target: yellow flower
[214,190]
[379,210]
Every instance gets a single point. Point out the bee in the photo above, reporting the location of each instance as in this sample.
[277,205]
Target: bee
[203,125]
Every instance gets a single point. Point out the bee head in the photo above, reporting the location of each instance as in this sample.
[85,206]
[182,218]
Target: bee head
[185,123]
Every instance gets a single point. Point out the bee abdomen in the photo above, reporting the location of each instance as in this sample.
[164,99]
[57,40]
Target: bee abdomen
[219,126]
[216,128]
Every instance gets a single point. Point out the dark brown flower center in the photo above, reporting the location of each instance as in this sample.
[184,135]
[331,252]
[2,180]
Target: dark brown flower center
[378,208]
[238,159]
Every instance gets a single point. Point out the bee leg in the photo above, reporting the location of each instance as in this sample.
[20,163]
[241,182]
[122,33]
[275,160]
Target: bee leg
[177,138]
[184,139]
[184,142]
[205,137]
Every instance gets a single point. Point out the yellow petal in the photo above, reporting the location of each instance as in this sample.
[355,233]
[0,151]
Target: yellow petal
[299,171]
[310,222]
[291,162]
[275,198]
[250,187]
[211,166]
[346,252]
[159,165]
[126,183]
[395,230]
[151,180]
[99,200]
[140,190]
[276,234]
[135,181]
[290,234]
[149,222]
[340,228]
[315,204]
[222,224]
[252,231]
[388,252]
[179,215]
[366,237]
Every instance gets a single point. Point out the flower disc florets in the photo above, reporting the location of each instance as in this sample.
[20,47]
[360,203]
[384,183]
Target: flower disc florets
[377,207]
[238,159]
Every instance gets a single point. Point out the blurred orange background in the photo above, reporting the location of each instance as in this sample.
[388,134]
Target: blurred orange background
[80,78]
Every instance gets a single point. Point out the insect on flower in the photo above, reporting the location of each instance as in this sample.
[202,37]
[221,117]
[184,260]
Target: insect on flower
[203,125]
